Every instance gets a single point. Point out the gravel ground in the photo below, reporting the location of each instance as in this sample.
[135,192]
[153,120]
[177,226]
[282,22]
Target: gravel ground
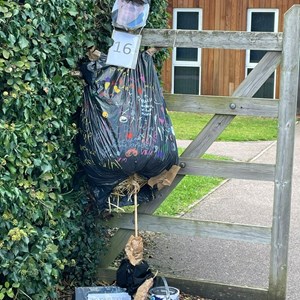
[149,238]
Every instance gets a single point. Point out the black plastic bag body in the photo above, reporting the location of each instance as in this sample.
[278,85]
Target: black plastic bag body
[124,126]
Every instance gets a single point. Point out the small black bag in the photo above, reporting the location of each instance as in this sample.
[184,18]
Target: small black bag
[131,277]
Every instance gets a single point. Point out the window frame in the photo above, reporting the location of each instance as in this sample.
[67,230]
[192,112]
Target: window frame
[182,63]
[251,65]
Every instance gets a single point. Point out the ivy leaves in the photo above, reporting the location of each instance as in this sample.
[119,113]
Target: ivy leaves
[46,231]
[5,54]
[41,42]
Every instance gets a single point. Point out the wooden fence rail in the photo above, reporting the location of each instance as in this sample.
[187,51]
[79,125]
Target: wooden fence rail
[212,39]
[237,106]
[227,169]
[191,227]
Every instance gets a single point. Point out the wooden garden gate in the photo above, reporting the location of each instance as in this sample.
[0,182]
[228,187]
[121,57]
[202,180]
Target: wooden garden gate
[283,48]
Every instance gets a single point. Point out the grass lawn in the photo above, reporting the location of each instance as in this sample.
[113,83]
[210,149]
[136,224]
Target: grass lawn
[187,126]
[190,189]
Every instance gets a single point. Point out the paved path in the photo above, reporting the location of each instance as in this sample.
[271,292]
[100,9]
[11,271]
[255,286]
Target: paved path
[239,201]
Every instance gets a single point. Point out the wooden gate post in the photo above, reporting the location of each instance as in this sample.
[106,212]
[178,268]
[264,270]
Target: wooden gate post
[285,153]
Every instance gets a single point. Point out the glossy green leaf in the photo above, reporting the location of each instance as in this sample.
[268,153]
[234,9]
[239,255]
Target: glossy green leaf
[19,64]
[27,6]
[71,62]
[63,39]
[10,293]
[72,11]
[12,39]
[3,9]
[5,54]
[23,42]
[64,71]
[8,15]
[10,81]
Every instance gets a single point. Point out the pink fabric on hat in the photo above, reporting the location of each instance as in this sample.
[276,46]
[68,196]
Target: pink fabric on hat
[128,12]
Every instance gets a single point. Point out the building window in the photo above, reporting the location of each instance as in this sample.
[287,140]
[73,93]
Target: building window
[264,20]
[186,61]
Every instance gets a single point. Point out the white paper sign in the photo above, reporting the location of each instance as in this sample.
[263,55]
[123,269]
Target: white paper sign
[124,52]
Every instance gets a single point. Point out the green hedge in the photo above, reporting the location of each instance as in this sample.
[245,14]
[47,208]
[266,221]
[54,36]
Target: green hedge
[48,236]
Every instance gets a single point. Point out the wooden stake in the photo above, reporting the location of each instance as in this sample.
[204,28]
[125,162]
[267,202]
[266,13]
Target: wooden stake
[135,216]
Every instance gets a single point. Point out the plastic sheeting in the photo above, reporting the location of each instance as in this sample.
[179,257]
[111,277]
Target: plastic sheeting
[131,277]
[124,127]
[130,15]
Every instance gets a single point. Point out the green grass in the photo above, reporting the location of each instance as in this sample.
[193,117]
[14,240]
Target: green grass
[190,189]
[188,125]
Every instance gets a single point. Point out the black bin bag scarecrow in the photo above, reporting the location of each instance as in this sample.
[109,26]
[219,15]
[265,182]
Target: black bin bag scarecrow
[124,128]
